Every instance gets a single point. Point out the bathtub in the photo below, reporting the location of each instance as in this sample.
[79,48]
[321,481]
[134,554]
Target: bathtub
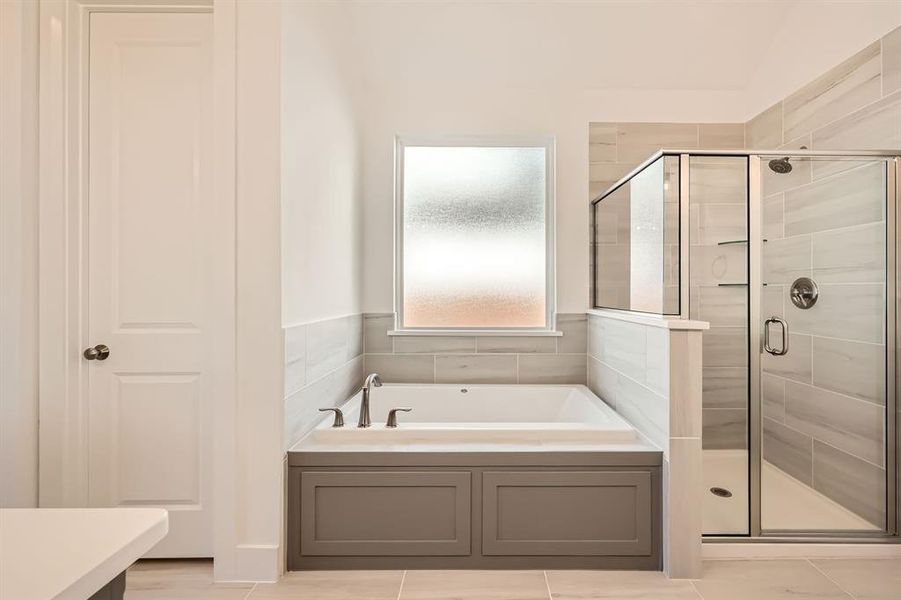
[496,414]
[475,477]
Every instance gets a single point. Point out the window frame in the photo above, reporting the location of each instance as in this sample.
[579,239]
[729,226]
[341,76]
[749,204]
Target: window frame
[505,141]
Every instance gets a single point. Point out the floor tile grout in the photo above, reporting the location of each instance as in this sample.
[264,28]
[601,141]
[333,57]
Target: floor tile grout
[695,588]
[834,582]
[250,591]
[547,584]
[400,590]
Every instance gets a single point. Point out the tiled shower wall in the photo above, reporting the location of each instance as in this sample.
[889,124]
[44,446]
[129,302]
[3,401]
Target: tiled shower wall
[471,359]
[323,368]
[718,192]
[824,402]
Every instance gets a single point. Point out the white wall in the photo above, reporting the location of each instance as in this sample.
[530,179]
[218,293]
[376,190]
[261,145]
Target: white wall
[18,253]
[321,208]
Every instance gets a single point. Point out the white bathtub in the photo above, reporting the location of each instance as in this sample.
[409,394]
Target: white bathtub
[479,414]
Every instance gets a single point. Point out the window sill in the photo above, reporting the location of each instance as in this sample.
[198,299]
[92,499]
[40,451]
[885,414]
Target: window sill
[474,333]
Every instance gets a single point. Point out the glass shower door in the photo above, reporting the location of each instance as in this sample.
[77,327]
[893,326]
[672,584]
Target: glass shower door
[821,346]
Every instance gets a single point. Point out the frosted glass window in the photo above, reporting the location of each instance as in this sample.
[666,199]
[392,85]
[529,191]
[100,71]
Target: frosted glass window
[473,223]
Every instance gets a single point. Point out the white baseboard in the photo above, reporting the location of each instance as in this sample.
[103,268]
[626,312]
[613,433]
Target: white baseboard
[257,563]
[746,550]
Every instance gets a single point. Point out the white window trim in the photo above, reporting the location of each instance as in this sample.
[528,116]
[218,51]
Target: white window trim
[506,141]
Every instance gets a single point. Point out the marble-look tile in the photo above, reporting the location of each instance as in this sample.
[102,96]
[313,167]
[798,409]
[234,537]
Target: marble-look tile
[602,381]
[596,336]
[719,223]
[874,127]
[602,142]
[725,347]
[553,368]
[684,505]
[773,217]
[295,358]
[428,344]
[712,265]
[685,383]
[772,396]
[474,585]
[332,585]
[851,368]
[354,336]
[891,63]
[865,578]
[846,423]
[475,368]
[852,84]
[517,344]
[574,327]
[582,585]
[625,348]
[846,311]
[657,360]
[375,333]
[725,428]
[725,387]
[721,136]
[765,130]
[850,255]
[647,411]
[850,198]
[302,407]
[609,171]
[327,343]
[723,306]
[796,364]
[402,368]
[789,450]
[769,579]
[785,260]
[637,141]
[718,179]
[295,376]
[856,484]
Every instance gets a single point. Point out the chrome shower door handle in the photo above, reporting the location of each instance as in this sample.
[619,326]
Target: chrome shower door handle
[766,336]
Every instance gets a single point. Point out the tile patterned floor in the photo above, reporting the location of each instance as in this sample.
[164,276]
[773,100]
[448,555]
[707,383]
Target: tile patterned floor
[784,579]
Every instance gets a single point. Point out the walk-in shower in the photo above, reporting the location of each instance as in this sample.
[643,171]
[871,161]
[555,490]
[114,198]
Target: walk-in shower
[791,258]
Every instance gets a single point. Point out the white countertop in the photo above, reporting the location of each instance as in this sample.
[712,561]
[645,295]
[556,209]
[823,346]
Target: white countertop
[70,553]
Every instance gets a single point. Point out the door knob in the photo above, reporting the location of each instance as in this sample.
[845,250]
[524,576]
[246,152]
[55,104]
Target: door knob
[98,352]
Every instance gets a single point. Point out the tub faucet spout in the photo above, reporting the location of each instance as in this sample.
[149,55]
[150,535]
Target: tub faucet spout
[372,379]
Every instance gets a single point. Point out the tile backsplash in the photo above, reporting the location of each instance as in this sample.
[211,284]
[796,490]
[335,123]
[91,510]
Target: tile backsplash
[323,368]
[474,359]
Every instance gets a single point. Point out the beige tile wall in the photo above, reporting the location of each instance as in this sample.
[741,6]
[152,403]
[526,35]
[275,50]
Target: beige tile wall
[472,359]
[824,402]
[323,368]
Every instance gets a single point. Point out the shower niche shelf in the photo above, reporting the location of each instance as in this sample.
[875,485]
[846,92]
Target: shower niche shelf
[731,242]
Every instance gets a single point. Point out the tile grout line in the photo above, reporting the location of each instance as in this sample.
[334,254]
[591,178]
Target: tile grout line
[400,590]
[695,588]
[834,582]
[547,585]
[250,591]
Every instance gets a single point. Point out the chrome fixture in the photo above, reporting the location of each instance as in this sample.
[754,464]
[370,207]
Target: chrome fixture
[372,379]
[804,292]
[339,416]
[766,336]
[392,416]
[98,352]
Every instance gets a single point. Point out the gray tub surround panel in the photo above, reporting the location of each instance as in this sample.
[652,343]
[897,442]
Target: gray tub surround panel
[358,510]
[477,359]
[650,370]
[323,368]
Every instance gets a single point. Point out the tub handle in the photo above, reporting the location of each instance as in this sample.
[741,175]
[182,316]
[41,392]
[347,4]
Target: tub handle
[339,416]
[392,416]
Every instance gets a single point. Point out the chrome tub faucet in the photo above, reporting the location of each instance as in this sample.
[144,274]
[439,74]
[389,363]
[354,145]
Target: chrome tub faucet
[372,379]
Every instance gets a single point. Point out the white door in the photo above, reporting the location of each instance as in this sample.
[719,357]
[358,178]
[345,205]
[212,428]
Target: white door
[147,264]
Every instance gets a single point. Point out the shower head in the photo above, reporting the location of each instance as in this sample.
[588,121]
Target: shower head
[780,165]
